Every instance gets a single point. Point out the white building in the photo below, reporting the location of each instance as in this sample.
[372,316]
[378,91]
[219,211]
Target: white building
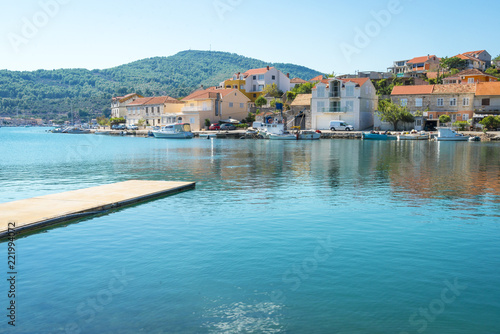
[351,100]
[119,104]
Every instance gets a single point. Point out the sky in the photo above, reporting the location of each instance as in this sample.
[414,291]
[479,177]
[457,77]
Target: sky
[328,36]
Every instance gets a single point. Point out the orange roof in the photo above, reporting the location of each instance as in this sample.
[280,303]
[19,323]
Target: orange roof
[418,60]
[126,97]
[297,80]
[359,81]
[454,89]
[208,94]
[318,78]
[488,88]
[258,71]
[154,100]
[412,90]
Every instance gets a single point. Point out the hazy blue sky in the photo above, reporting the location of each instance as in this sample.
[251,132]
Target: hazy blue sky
[340,36]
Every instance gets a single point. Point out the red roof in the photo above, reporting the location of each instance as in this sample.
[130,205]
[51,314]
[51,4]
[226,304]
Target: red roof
[470,55]
[208,94]
[258,71]
[318,78]
[412,90]
[488,88]
[359,81]
[154,100]
[418,60]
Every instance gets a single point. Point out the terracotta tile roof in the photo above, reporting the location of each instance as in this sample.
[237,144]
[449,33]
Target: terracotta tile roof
[209,94]
[126,97]
[302,100]
[472,72]
[257,71]
[359,81]
[297,80]
[432,75]
[418,60]
[412,90]
[154,100]
[454,89]
[470,55]
[488,88]
[318,78]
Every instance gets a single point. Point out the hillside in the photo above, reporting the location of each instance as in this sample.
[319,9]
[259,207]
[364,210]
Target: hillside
[51,93]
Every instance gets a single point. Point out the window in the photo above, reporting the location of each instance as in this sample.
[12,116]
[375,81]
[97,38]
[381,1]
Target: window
[430,116]
[274,77]
[349,91]
[254,88]
[146,110]
[235,86]
[440,102]
[404,102]
[465,117]
[470,80]
[254,95]
[465,101]
[230,104]
[261,88]
[320,91]
[191,120]
[485,102]
[255,77]
[261,76]
[349,105]
[418,102]
[242,105]
[321,106]
[453,101]
[242,87]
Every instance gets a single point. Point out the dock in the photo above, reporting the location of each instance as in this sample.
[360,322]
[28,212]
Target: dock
[39,212]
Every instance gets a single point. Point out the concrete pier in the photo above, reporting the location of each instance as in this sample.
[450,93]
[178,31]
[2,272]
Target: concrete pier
[39,212]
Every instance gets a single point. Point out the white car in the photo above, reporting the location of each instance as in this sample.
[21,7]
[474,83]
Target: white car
[340,125]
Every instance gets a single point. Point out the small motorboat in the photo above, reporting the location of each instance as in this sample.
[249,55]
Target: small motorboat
[174,131]
[447,134]
[374,135]
[414,135]
[102,132]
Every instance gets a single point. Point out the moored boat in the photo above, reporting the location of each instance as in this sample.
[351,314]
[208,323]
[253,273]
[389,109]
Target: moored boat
[379,136]
[447,134]
[174,131]
[76,130]
[414,136]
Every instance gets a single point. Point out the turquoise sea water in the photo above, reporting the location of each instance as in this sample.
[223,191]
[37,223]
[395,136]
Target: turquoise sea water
[332,236]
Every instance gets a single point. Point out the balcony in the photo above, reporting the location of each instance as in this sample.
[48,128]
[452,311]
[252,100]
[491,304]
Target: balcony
[334,94]
[336,109]
[195,109]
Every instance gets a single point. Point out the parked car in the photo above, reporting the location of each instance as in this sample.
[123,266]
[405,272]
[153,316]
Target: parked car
[340,125]
[227,126]
[118,127]
[214,126]
[132,127]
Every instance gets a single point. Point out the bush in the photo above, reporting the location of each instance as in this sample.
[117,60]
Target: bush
[491,122]
[461,125]
[444,119]
[242,125]
[207,122]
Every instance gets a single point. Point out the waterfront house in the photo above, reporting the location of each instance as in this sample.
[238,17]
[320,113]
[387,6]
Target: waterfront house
[216,104]
[487,100]
[252,82]
[119,104]
[480,60]
[469,76]
[149,109]
[351,100]
[455,100]
[300,111]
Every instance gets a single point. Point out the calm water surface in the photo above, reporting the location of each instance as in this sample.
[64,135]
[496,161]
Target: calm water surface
[333,236]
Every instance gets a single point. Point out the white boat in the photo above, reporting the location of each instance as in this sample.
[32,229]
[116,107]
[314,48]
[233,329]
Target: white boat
[309,135]
[414,136]
[174,131]
[76,130]
[282,136]
[208,135]
[447,134]
[102,132]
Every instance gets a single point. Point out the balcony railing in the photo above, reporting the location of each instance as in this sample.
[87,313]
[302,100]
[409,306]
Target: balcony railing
[334,94]
[195,109]
[336,109]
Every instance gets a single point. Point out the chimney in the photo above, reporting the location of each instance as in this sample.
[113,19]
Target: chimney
[268,67]
[201,86]
[288,75]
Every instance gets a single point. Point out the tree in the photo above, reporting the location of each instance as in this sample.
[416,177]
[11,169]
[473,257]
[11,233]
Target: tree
[207,122]
[391,112]
[492,71]
[272,90]
[305,88]
[116,120]
[461,125]
[491,122]
[453,62]
[261,101]
[444,119]
[290,96]
[407,117]
[102,120]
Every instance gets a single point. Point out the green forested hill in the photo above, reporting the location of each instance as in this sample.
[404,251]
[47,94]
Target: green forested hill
[52,93]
